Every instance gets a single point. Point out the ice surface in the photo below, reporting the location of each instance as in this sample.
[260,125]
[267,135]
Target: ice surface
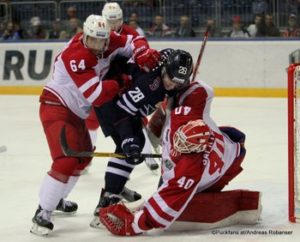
[24,164]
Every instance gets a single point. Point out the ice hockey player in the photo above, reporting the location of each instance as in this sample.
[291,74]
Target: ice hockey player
[75,87]
[122,118]
[199,160]
[114,17]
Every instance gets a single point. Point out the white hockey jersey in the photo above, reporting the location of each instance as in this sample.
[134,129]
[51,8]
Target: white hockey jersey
[77,74]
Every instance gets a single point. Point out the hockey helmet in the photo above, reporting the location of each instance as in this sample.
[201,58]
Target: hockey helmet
[192,137]
[178,64]
[113,13]
[96,27]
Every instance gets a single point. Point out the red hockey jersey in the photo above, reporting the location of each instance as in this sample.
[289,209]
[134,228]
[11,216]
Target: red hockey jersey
[127,30]
[186,174]
[77,74]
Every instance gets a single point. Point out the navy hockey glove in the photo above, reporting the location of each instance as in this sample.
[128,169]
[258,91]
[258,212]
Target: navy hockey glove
[132,150]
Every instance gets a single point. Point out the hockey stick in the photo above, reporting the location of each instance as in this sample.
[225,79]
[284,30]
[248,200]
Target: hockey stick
[201,53]
[69,152]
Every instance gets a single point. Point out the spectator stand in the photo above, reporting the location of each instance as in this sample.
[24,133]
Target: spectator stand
[3,11]
[84,8]
[200,12]
[22,12]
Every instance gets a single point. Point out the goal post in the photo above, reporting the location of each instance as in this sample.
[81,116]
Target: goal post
[294,136]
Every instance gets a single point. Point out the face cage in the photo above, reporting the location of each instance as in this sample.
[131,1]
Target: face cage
[183,146]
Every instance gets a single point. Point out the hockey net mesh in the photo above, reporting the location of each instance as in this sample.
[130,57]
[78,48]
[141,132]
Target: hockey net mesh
[297,140]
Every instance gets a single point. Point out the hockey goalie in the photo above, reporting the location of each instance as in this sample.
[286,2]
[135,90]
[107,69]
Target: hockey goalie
[199,159]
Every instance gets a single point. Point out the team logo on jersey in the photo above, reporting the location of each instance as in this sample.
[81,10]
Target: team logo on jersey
[168,164]
[155,84]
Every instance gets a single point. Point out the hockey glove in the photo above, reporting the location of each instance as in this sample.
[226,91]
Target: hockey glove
[147,59]
[132,149]
[118,220]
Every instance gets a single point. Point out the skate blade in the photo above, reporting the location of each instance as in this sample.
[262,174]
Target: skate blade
[59,213]
[38,230]
[96,223]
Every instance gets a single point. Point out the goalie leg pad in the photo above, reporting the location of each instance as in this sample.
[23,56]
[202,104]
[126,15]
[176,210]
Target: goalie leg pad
[212,210]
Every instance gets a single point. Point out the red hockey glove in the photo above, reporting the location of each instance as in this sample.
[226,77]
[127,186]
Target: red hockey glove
[147,59]
[110,88]
[118,220]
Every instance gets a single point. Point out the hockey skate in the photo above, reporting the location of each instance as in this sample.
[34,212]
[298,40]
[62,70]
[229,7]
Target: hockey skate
[66,207]
[42,224]
[107,199]
[130,195]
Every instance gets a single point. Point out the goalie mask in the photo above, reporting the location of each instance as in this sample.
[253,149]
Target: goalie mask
[178,65]
[192,137]
[96,34]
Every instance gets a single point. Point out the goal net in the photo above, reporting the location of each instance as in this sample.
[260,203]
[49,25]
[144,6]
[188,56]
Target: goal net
[294,136]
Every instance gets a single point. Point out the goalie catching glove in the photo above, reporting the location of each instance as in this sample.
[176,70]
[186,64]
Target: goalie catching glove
[119,220]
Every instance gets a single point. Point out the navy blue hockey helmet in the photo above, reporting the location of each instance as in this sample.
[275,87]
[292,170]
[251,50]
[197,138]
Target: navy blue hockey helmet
[178,64]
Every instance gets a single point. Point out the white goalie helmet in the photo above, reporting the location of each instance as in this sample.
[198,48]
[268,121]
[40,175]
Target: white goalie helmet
[113,14]
[192,137]
[96,33]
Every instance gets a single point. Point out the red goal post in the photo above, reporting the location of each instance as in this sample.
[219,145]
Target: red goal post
[294,136]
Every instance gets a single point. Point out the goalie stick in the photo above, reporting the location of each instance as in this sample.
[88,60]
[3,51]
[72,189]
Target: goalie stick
[201,53]
[69,152]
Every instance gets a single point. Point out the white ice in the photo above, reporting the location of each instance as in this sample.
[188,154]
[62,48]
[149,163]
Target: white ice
[24,164]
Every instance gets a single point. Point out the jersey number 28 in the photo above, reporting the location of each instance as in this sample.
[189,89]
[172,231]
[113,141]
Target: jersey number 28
[136,94]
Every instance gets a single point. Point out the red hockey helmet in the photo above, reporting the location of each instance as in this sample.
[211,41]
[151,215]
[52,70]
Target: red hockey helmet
[192,137]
